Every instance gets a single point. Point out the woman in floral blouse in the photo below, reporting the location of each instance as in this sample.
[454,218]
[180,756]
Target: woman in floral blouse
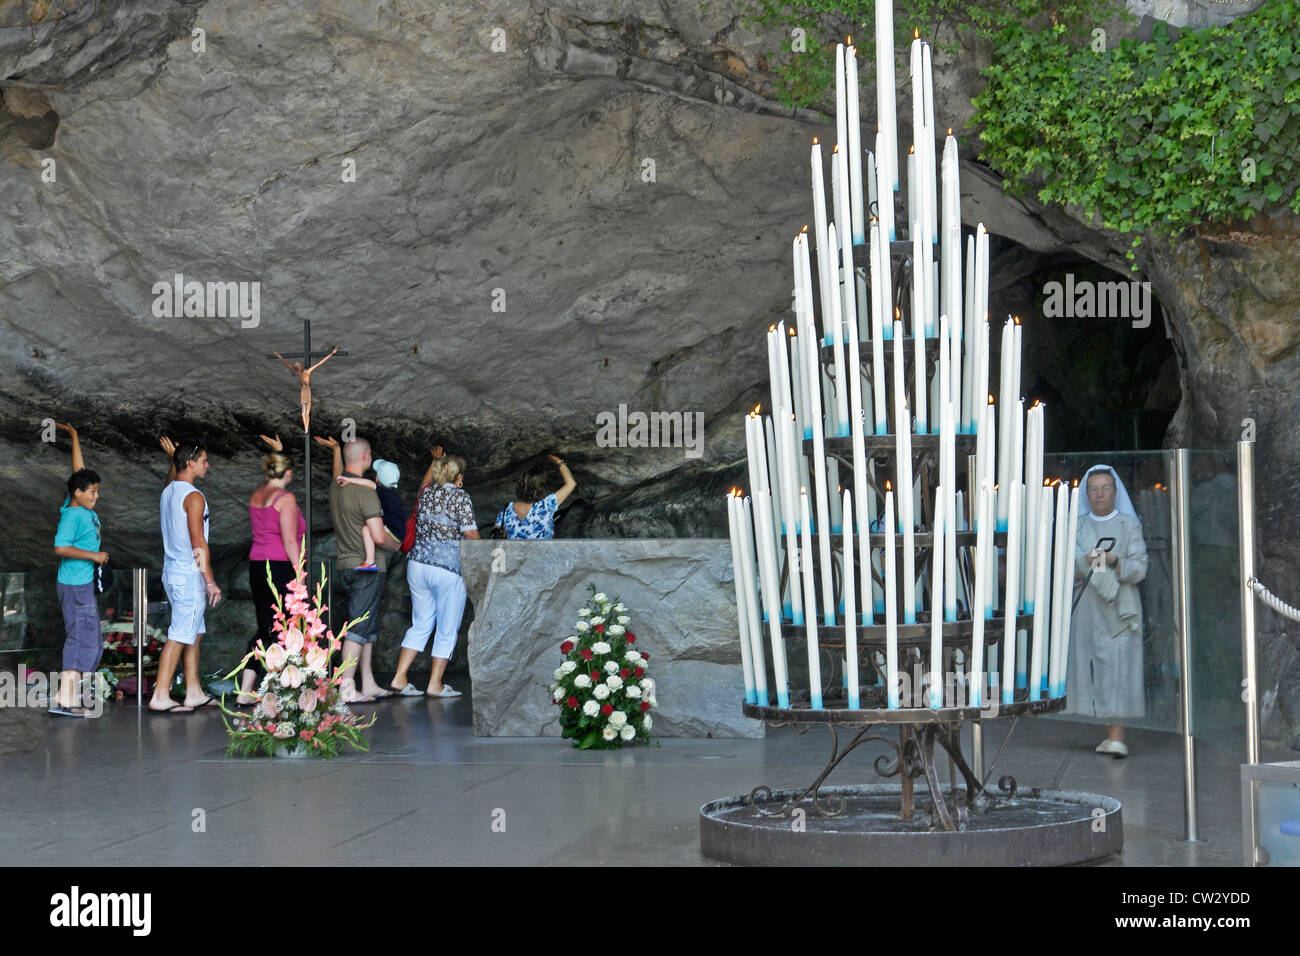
[444,514]
[531,516]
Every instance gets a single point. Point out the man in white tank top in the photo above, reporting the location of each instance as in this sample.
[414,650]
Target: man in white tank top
[187,577]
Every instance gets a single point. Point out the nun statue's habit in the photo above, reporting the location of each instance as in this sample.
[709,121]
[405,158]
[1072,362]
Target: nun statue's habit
[1105,670]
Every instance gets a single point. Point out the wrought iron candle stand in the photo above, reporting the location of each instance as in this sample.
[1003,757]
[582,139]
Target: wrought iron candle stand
[967,823]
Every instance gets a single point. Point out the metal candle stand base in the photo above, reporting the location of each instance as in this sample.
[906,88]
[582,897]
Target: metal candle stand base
[877,824]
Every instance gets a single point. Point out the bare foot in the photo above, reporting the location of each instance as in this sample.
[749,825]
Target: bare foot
[348,692]
[167,704]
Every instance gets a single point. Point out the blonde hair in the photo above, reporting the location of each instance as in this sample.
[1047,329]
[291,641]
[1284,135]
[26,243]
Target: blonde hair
[275,465]
[448,469]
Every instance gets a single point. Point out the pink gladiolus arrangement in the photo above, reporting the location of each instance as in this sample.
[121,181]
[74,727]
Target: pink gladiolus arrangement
[300,705]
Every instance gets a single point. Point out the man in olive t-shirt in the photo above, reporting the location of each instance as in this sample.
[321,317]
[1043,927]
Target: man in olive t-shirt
[352,508]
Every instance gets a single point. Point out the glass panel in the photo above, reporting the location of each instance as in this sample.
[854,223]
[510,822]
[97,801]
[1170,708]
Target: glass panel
[1279,818]
[1145,475]
[14,627]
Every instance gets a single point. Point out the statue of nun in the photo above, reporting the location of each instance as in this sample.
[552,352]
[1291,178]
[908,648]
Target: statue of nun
[1105,676]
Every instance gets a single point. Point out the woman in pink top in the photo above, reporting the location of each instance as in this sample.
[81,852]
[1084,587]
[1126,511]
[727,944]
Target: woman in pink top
[278,529]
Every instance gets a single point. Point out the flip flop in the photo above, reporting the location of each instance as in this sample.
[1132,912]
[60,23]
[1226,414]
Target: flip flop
[168,711]
[207,703]
[360,699]
[447,691]
[407,691]
[57,711]
[383,695]
[251,703]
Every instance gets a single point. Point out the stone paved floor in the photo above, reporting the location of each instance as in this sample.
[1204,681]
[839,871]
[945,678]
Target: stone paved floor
[124,790]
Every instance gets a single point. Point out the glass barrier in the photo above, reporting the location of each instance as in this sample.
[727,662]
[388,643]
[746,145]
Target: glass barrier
[13,629]
[1218,714]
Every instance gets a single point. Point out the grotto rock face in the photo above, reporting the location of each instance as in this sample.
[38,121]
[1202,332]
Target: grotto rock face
[513,216]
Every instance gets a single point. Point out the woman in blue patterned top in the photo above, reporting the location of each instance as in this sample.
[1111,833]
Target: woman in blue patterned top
[444,514]
[532,515]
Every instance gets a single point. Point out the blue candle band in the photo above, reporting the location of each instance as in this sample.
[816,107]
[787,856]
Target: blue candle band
[750,696]
[797,619]
[783,698]
[828,618]
[815,702]
[855,703]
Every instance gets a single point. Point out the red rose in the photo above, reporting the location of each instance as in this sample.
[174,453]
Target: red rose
[645,705]
[639,672]
[566,647]
[607,709]
[586,653]
[645,657]
[624,673]
[595,676]
[572,702]
[631,638]
[599,628]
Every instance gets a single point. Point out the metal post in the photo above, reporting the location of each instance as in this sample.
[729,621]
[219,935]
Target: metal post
[1182,607]
[139,615]
[1246,524]
[977,749]
[306,465]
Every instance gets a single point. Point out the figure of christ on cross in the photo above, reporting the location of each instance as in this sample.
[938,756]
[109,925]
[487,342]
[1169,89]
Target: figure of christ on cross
[304,376]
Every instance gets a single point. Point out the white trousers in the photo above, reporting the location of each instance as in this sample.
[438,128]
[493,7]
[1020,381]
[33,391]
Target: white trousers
[436,595]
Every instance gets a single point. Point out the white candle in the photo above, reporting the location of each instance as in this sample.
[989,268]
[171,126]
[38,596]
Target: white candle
[885,93]
[921,386]
[948,478]
[1062,578]
[1012,600]
[807,324]
[836,488]
[752,441]
[906,517]
[784,425]
[983,584]
[1067,593]
[756,557]
[743,586]
[937,552]
[969,395]
[927,141]
[850,607]
[1034,481]
[847,286]
[949,246]
[891,609]
[854,148]
[819,220]
[877,335]
[758,508]
[955,338]
[819,482]
[1041,574]
[835,328]
[810,597]
[1007,396]
[912,228]
[872,188]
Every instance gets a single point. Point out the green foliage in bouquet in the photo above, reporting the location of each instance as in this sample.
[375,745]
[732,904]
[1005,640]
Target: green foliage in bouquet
[601,688]
[300,706]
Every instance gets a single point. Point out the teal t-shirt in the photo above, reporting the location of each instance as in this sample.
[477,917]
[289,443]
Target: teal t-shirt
[78,528]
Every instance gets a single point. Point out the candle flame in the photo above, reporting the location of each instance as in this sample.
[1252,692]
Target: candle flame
[814,140]
[758,408]
[771,328]
[990,399]
[888,486]
[911,149]
[850,43]
[898,314]
[916,33]
[792,333]
[949,130]
[804,229]
[1017,319]
[835,149]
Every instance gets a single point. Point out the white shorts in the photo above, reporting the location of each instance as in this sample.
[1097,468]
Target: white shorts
[188,596]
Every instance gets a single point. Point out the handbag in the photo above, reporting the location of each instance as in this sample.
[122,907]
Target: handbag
[408,539]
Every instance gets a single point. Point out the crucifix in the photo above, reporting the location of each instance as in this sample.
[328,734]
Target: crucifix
[303,370]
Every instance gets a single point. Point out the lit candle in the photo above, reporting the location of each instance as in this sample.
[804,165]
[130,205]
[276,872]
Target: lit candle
[773,484]
[811,373]
[983,584]
[955,325]
[789,482]
[743,586]
[1008,392]
[819,221]
[797,383]
[1041,573]
[906,518]
[850,606]
[810,597]
[891,608]
[1067,592]
[912,228]
[1012,601]
[968,393]
[819,482]
[921,385]
[1033,481]
[757,556]
[937,553]
[1062,578]
[885,93]
[836,325]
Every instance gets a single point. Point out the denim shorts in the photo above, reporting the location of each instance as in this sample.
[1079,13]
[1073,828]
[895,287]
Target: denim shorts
[188,596]
[84,646]
[364,590]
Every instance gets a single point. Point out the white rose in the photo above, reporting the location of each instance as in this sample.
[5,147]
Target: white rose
[591,708]
[653,701]
[611,667]
[582,681]
[633,691]
[622,618]
[559,672]
[584,612]
[646,723]
[601,692]
[597,620]
[600,596]
[627,733]
[568,667]
[557,693]
[614,682]
[600,647]
[617,629]
[582,627]
[609,733]
[620,607]
[647,686]
[617,719]
[632,656]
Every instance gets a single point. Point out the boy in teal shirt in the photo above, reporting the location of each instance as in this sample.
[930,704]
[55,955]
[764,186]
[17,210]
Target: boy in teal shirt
[77,544]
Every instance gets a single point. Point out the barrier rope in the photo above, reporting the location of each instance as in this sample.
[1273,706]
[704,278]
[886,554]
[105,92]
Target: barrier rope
[1273,601]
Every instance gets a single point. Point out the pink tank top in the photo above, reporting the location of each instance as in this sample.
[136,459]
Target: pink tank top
[267,543]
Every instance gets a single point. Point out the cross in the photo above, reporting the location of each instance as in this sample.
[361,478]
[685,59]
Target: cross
[308,358]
